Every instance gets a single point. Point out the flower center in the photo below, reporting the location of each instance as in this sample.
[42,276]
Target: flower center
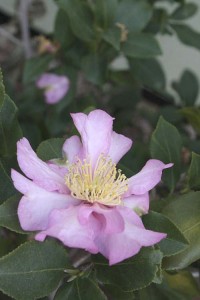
[105,184]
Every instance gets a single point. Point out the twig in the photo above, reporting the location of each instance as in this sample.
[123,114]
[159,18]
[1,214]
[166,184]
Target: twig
[10,37]
[24,24]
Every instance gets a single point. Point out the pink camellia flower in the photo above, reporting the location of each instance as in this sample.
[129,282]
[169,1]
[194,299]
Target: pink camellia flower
[88,203]
[55,86]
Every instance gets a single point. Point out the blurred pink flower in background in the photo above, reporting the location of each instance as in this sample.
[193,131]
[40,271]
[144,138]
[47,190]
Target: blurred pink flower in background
[88,203]
[55,87]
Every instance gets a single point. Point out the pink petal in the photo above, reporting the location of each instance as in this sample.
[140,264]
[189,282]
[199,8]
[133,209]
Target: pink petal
[47,79]
[65,226]
[72,148]
[139,203]
[120,145]
[56,87]
[36,204]
[147,178]
[120,246]
[95,130]
[37,170]
[109,219]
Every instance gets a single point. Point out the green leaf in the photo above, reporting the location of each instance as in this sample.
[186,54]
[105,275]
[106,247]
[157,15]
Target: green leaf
[134,14]
[105,12]
[184,212]
[79,17]
[141,45]
[187,88]
[192,114]
[80,289]
[184,283]
[2,89]
[6,185]
[184,11]
[94,68]
[8,214]
[166,145]
[34,67]
[187,35]
[149,72]
[194,172]
[62,31]
[115,292]
[112,36]
[33,270]
[175,241]
[50,149]
[145,265]
[10,131]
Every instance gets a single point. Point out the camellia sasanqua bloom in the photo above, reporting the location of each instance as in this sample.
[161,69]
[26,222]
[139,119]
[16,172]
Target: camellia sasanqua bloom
[88,203]
[55,87]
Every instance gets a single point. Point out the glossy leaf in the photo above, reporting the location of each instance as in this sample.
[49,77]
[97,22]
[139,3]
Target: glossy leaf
[8,214]
[10,131]
[175,241]
[50,149]
[80,289]
[145,265]
[112,37]
[134,14]
[94,68]
[2,89]
[34,67]
[141,45]
[116,293]
[105,12]
[184,11]
[194,172]
[33,270]
[62,31]
[187,88]
[80,18]
[192,114]
[149,72]
[184,212]
[6,186]
[166,145]
[187,35]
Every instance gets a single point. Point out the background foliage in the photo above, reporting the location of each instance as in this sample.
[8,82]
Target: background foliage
[90,36]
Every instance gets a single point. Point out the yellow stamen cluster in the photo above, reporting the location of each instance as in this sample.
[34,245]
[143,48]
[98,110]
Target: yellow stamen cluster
[104,183]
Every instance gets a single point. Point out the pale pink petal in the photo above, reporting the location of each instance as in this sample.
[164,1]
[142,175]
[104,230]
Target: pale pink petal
[72,148]
[139,203]
[65,226]
[37,203]
[37,170]
[56,92]
[120,246]
[47,79]
[56,86]
[60,169]
[95,130]
[109,219]
[120,145]
[147,178]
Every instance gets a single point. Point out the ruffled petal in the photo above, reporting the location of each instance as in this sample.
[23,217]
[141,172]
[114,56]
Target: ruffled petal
[37,170]
[65,226]
[120,145]
[120,246]
[139,203]
[37,203]
[72,148]
[147,178]
[95,130]
[108,219]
